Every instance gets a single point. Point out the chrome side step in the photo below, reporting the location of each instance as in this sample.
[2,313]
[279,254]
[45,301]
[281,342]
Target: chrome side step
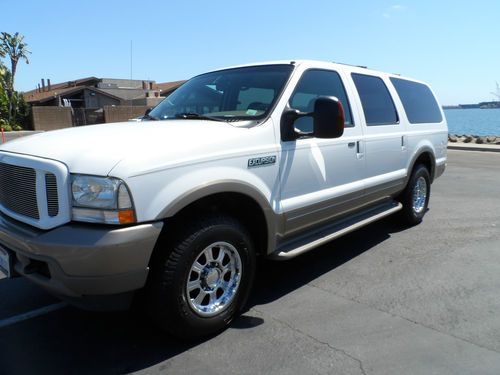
[304,244]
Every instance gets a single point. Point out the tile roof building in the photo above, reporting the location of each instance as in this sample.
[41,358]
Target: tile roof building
[92,92]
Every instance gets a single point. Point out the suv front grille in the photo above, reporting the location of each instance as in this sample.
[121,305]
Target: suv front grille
[51,190]
[18,190]
[34,190]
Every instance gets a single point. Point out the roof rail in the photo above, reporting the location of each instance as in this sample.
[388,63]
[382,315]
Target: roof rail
[357,66]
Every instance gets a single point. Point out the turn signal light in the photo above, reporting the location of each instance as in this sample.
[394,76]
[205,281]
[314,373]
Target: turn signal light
[126,216]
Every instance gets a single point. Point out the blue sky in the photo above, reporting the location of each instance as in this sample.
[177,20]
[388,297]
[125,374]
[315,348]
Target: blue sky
[452,45]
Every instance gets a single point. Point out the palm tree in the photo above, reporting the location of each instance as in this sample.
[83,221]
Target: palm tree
[15,48]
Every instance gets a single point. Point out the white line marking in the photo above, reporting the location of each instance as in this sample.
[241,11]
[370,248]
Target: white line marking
[31,314]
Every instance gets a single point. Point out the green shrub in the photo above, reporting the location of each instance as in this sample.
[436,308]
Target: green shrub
[6,127]
[9,127]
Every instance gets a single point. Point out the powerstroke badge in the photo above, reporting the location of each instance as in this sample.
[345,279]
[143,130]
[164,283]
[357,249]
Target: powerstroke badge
[260,162]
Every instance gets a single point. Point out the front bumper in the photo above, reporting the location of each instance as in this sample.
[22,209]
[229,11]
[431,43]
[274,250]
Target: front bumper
[77,260]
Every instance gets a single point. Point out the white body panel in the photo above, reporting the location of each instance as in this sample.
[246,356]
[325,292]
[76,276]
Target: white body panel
[163,161]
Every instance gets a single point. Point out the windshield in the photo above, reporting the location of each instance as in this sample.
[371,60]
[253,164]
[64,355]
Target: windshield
[227,95]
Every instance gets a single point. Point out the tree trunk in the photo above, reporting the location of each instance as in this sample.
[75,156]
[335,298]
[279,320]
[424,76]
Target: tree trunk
[10,93]
[13,64]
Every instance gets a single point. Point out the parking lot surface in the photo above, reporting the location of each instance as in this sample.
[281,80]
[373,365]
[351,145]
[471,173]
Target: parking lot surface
[383,300]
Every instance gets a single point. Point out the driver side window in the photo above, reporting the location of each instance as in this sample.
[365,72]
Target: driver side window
[313,84]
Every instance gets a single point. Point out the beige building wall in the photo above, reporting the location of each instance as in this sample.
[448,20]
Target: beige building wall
[123,113]
[51,118]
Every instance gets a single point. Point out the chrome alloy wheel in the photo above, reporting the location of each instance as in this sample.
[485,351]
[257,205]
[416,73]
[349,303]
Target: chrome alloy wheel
[214,279]
[419,195]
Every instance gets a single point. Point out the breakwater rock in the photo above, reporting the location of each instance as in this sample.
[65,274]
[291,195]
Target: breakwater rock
[478,139]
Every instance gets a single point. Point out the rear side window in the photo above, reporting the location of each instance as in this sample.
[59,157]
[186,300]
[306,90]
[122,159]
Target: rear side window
[313,84]
[377,103]
[418,101]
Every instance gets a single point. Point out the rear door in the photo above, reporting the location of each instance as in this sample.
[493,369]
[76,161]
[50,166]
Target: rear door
[385,141]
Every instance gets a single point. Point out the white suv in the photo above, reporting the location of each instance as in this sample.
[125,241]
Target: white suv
[268,159]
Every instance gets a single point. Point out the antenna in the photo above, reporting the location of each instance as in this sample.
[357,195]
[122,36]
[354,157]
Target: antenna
[497,93]
[131,60]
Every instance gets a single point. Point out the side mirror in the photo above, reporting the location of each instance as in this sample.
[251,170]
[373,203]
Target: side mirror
[328,120]
[328,117]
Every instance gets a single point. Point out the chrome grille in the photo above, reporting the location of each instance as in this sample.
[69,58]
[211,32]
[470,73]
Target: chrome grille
[34,190]
[18,190]
[51,190]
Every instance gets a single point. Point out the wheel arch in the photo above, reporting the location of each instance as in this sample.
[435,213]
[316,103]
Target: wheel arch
[425,156]
[236,198]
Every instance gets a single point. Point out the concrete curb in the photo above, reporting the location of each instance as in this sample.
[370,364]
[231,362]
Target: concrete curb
[473,147]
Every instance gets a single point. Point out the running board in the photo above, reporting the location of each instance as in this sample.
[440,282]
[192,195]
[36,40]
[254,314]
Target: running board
[304,244]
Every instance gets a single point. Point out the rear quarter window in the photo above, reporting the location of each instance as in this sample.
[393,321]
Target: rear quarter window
[418,101]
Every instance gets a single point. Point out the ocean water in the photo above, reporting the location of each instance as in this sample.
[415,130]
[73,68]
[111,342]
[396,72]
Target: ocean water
[473,121]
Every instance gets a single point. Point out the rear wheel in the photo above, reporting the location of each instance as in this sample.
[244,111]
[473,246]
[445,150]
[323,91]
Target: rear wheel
[203,281]
[415,198]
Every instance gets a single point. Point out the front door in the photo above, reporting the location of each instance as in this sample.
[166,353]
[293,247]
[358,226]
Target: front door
[320,178]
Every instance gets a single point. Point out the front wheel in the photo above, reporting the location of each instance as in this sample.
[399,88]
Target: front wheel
[203,281]
[415,197]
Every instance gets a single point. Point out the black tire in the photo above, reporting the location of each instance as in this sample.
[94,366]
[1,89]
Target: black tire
[169,301]
[409,214]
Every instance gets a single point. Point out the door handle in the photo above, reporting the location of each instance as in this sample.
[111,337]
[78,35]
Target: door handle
[351,144]
[359,150]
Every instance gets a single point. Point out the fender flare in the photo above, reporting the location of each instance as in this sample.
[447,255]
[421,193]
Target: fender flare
[422,150]
[274,222]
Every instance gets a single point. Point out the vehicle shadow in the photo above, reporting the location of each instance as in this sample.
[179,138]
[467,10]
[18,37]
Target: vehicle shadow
[276,279]
[74,341]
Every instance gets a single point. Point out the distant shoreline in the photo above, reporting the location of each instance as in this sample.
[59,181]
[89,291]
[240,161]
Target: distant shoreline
[482,105]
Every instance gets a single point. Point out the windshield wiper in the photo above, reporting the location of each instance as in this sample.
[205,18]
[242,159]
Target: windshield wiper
[147,116]
[197,116]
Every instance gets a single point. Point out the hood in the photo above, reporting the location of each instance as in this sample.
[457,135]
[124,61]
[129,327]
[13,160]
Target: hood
[97,149]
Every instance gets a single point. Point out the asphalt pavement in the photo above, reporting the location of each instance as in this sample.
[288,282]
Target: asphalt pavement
[383,300]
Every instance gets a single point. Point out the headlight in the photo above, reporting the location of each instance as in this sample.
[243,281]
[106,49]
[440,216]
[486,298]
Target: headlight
[101,200]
